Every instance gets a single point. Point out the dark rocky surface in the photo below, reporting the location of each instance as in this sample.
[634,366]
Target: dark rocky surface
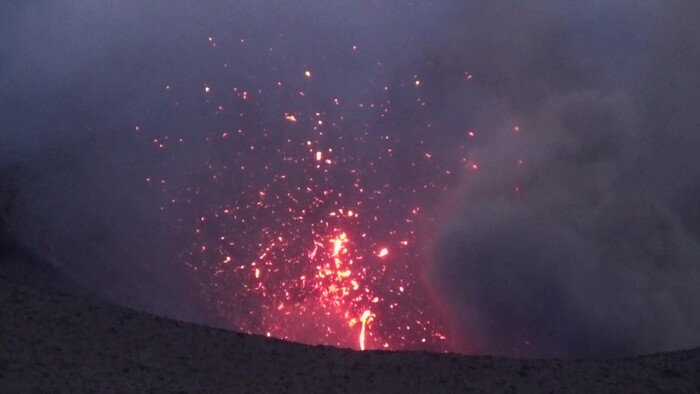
[53,341]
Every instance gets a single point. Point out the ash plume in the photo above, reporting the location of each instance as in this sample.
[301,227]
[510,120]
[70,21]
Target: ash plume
[580,235]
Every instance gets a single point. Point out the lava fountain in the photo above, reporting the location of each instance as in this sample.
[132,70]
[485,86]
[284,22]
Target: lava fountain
[306,218]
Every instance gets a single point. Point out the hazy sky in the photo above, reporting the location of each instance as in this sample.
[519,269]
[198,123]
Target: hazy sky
[566,224]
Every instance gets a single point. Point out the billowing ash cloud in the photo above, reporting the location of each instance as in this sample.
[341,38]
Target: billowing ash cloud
[578,235]
[589,246]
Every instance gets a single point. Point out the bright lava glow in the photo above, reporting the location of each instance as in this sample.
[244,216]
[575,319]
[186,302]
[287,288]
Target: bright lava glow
[308,213]
[365,319]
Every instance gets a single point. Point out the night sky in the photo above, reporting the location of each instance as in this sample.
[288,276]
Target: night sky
[512,178]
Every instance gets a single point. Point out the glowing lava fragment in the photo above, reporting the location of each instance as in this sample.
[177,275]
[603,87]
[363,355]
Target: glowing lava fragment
[273,243]
[366,318]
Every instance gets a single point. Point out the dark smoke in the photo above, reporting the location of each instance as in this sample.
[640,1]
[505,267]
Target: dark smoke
[596,254]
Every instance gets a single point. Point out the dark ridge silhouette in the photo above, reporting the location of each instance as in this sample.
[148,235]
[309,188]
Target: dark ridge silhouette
[53,341]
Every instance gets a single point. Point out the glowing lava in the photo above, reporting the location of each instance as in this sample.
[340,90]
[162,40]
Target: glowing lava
[305,212]
[366,318]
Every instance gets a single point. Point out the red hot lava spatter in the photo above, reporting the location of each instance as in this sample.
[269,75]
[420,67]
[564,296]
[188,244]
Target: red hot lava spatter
[305,212]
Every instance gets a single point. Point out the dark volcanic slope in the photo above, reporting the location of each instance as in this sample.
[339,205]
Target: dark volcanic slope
[51,340]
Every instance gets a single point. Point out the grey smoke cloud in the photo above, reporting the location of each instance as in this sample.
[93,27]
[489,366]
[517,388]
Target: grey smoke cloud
[579,261]
[597,254]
